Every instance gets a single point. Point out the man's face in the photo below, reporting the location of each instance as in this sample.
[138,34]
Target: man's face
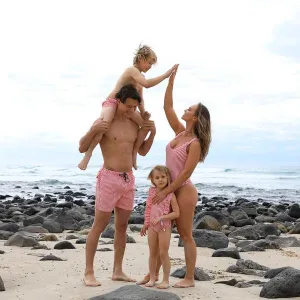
[129,107]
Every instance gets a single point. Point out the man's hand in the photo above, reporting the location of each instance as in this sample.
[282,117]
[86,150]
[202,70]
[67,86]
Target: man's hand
[100,126]
[149,125]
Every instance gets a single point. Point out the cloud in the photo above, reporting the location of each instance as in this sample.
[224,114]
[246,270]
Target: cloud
[61,60]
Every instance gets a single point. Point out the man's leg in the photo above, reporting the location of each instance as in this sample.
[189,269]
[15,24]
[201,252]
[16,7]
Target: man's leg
[121,221]
[100,222]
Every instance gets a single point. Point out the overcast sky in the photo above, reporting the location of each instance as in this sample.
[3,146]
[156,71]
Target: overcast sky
[60,59]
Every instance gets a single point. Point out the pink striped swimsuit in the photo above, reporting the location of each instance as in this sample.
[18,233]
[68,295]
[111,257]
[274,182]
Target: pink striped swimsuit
[154,211]
[176,158]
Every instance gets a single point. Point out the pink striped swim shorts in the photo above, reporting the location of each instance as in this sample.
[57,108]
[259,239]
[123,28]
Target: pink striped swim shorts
[110,102]
[114,189]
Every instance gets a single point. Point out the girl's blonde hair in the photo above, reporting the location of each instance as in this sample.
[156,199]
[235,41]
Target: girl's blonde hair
[144,52]
[162,169]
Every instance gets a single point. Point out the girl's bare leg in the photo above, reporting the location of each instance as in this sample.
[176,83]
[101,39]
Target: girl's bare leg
[147,277]
[137,118]
[153,249]
[107,114]
[164,244]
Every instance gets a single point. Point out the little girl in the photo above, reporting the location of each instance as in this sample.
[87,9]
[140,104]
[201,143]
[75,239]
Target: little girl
[158,219]
[142,62]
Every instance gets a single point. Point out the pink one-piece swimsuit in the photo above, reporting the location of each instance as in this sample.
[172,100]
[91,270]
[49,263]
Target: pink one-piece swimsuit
[154,211]
[176,158]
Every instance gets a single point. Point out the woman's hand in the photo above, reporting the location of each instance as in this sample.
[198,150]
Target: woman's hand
[159,197]
[155,221]
[173,74]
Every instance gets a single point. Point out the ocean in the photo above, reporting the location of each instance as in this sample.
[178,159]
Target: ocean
[271,184]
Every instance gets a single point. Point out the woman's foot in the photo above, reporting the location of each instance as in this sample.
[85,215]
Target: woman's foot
[151,283]
[164,285]
[90,280]
[185,283]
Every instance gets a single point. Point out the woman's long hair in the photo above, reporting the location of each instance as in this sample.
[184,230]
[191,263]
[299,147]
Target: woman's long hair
[202,129]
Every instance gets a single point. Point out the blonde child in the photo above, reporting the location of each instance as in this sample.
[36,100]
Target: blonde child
[143,60]
[158,223]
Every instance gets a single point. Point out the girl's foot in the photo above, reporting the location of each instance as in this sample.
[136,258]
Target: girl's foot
[163,285]
[185,283]
[145,280]
[151,283]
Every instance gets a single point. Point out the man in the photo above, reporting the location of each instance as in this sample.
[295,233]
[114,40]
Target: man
[115,181]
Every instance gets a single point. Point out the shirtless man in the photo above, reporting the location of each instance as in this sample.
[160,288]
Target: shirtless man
[115,181]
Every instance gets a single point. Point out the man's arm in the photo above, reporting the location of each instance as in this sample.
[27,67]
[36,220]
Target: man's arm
[98,126]
[147,144]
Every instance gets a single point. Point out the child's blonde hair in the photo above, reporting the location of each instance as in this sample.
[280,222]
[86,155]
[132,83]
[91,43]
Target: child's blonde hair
[162,169]
[144,52]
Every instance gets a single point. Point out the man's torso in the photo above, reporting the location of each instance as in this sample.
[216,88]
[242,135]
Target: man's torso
[117,145]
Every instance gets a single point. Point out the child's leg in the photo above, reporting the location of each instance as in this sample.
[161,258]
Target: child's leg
[147,277]
[153,249]
[137,118]
[164,244]
[107,114]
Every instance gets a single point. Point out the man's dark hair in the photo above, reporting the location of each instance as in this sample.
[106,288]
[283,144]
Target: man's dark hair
[128,91]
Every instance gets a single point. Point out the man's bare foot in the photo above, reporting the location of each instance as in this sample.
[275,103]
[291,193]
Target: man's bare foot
[134,159]
[185,283]
[90,280]
[151,283]
[164,285]
[122,277]
[145,280]
[83,164]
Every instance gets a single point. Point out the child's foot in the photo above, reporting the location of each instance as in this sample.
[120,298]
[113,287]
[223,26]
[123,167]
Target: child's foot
[145,280]
[151,283]
[163,285]
[83,164]
[90,280]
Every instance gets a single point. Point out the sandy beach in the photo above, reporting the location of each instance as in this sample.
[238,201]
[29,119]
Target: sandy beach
[26,277]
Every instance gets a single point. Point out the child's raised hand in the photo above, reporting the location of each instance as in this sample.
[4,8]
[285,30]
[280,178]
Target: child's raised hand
[144,230]
[173,69]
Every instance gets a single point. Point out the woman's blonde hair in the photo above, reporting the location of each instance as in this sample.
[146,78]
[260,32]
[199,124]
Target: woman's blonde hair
[203,129]
[144,52]
[162,169]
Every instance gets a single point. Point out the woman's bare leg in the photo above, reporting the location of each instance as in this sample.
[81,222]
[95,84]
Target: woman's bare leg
[187,198]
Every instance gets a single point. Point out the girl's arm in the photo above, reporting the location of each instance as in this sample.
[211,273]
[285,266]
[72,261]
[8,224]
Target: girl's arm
[175,210]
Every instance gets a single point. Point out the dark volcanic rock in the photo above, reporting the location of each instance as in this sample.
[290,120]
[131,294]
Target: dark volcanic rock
[135,292]
[227,252]
[285,285]
[64,245]
[209,239]
[199,274]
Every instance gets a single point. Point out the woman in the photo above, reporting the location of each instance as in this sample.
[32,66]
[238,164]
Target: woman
[189,147]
